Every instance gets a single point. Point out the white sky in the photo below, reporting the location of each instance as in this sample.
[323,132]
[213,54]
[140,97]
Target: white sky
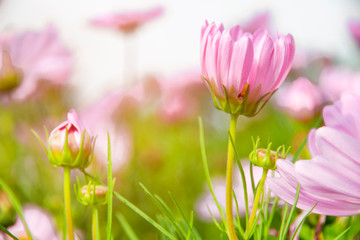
[171,43]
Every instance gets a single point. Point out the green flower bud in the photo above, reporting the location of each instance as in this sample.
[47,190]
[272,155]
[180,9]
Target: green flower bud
[7,211]
[88,196]
[266,158]
[10,76]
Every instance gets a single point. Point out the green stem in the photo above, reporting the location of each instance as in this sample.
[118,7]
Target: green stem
[229,171]
[95,224]
[67,199]
[256,202]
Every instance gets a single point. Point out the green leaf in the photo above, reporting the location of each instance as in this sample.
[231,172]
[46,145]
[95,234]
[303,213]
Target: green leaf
[303,144]
[302,221]
[242,173]
[254,225]
[111,183]
[343,233]
[241,230]
[283,220]
[7,232]
[189,225]
[144,215]
[291,213]
[127,228]
[169,216]
[16,204]
[206,168]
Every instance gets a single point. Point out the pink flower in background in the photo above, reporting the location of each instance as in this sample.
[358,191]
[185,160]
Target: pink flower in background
[206,201]
[250,68]
[332,177]
[354,27]
[127,21]
[41,225]
[259,21]
[180,96]
[307,60]
[335,80]
[301,99]
[35,56]
[101,118]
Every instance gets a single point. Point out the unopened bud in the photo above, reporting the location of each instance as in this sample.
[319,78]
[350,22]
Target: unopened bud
[266,158]
[69,144]
[89,196]
[7,211]
[10,76]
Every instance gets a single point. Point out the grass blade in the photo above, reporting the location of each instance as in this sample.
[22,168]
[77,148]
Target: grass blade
[206,168]
[190,229]
[343,233]
[127,228]
[237,159]
[302,221]
[2,228]
[109,196]
[291,213]
[144,215]
[241,230]
[168,215]
[16,204]
[283,217]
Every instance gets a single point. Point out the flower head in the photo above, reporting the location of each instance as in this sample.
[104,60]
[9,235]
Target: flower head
[301,99]
[241,69]
[70,144]
[30,57]
[127,21]
[330,178]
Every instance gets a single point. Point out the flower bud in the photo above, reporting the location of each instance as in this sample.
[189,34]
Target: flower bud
[69,144]
[88,196]
[7,211]
[10,76]
[266,158]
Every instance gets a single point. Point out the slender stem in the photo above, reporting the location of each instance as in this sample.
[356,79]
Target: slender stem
[67,199]
[229,171]
[256,201]
[95,224]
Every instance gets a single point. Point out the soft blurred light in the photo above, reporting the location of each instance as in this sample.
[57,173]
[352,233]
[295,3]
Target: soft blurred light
[171,43]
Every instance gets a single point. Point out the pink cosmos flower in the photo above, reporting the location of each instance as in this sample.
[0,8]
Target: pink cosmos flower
[335,80]
[332,177]
[243,70]
[180,96]
[128,21]
[34,56]
[70,143]
[41,225]
[301,99]
[206,202]
[101,118]
[354,27]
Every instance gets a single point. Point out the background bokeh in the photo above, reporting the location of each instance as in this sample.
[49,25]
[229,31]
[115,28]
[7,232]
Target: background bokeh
[160,120]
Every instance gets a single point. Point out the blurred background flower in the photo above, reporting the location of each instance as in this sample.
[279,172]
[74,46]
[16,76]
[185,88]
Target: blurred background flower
[152,121]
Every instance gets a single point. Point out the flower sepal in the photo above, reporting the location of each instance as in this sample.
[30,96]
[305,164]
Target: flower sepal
[240,104]
[266,158]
